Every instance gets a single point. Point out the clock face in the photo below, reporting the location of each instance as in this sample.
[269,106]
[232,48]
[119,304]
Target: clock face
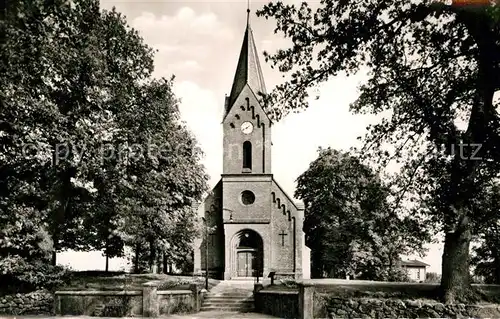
[247,127]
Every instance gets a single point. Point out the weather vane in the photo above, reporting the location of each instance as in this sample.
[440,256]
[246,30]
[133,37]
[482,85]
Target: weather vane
[248,11]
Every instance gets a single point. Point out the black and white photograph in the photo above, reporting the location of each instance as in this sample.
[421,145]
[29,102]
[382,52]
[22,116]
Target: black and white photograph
[250,159]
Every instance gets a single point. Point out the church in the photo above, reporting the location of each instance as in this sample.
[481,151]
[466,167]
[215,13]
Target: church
[251,226]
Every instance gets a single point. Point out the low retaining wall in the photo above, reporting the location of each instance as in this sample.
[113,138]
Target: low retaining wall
[283,304]
[397,308]
[176,301]
[37,302]
[148,302]
[306,303]
[99,303]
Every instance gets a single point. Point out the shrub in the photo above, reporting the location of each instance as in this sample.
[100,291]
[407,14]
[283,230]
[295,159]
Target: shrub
[19,275]
[432,277]
[181,308]
[169,284]
[116,307]
[289,283]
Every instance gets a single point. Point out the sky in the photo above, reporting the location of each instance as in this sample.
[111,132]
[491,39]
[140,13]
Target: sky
[199,43]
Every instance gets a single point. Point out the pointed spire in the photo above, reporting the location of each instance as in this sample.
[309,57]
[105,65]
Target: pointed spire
[248,70]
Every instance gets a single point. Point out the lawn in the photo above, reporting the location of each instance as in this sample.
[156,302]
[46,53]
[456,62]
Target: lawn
[375,289]
[121,281]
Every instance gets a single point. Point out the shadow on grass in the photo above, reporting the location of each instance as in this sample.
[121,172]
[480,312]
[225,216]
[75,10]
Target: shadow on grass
[95,280]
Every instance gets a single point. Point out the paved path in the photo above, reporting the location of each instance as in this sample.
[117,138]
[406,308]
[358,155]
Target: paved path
[218,314]
[201,315]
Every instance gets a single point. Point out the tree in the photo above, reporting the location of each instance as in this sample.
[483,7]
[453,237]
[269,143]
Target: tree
[486,255]
[163,179]
[349,221]
[432,277]
[38,91]
[434,69]
[78,118]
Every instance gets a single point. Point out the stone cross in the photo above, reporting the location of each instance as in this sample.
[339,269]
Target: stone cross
[283,237]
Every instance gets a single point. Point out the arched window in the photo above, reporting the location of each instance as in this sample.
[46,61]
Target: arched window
[247,155]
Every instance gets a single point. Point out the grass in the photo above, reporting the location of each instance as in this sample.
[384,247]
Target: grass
[383,290]
[121,281]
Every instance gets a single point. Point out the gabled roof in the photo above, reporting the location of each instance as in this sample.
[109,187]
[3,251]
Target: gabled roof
[248,70]
[294,203]
[413,263]
[300,205]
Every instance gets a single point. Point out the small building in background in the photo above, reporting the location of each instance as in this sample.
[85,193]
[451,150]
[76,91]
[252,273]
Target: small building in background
[415,269]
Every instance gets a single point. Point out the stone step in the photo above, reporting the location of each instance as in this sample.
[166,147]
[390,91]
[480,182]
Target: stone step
[228,305]
[223,293]
[228,302]
[233,287]
[226,308]
[227,298]
[229,294]
[230,289]
[249,288]
[232,293]
[243,279]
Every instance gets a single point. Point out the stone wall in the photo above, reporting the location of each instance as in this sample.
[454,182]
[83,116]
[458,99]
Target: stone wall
[397,308]
[282,304]
[99,303]
[148,302]
[309,302]
[37,302]
[176,301]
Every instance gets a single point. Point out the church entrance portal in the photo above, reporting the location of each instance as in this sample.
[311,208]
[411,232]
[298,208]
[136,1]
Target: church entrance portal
[246,263]
[249,256]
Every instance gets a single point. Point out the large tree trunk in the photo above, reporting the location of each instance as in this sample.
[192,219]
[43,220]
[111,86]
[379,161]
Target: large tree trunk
[165,263]
[496,270]
[455,280]
[54,258]
[55,243]
[152,257]
[317,267]
[136,261]
[106,254]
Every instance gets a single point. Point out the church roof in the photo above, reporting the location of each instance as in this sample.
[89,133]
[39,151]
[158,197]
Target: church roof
[248,70]
[300,205]
[413,263]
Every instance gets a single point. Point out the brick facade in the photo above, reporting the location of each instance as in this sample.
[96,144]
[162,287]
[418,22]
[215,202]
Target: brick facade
[273,221]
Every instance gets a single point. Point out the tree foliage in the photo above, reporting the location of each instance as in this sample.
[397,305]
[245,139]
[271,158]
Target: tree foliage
[432,277]
[486,255]
[433,72]
[93,154]
[349,222]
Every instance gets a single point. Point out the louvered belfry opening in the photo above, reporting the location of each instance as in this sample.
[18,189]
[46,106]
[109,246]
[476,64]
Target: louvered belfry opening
[247,155]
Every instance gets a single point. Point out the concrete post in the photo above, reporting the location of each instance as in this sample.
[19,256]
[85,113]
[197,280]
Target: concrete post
[202,295]
[299,243]
[150,303]
[256,288]
[57,304]
[306,301]
[196,297]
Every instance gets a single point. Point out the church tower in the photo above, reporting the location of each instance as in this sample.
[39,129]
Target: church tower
[251,227]
[247,128]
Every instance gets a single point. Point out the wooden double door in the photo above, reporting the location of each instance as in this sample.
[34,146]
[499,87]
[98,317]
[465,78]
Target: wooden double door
[247,262]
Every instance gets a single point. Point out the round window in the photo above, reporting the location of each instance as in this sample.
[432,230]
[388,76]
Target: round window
[247,197]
